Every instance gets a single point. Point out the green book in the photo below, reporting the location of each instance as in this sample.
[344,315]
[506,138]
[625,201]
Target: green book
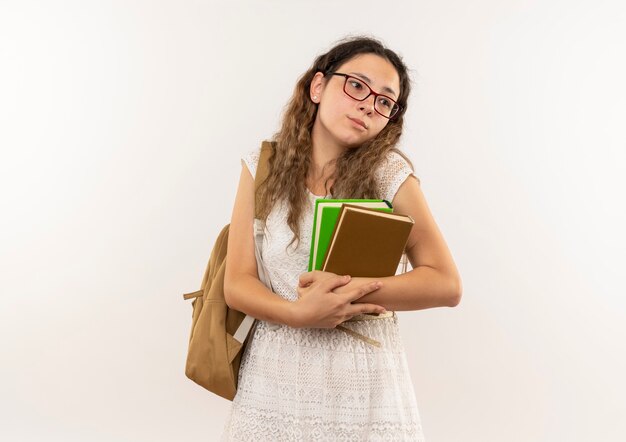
[324,220]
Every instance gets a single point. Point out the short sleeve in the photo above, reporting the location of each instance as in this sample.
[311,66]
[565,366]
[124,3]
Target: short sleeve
[391,174]
[251,160]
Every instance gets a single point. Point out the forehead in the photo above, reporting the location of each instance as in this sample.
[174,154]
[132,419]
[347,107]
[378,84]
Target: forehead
[381,73]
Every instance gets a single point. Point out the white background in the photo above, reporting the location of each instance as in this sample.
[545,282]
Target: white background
[122,124]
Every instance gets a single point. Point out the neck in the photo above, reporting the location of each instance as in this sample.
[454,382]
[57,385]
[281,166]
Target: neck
[324,150]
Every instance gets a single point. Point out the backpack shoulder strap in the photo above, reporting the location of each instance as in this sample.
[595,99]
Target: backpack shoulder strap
[262,170]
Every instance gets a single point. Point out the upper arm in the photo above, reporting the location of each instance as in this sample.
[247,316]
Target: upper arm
[425,245]
[241,258]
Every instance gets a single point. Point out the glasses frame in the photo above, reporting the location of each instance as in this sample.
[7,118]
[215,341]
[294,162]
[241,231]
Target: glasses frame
[375,94]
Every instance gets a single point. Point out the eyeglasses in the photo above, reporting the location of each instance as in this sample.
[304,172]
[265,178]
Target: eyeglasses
[359,90]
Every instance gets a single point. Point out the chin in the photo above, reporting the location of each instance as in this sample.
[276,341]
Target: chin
[351,143]
[353,140]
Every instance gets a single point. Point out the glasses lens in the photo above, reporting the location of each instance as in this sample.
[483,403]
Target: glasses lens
[359,90]
[356,88]
[386,106]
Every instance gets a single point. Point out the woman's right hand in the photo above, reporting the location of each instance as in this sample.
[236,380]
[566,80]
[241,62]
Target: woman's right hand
[319,307]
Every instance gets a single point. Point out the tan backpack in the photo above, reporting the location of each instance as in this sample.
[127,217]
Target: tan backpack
[218,332]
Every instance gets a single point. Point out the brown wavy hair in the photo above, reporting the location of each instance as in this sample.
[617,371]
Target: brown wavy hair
[354,171]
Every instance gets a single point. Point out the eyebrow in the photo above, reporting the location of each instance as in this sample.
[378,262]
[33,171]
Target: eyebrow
[364,77]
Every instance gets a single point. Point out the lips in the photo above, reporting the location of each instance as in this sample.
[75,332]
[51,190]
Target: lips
[356,120]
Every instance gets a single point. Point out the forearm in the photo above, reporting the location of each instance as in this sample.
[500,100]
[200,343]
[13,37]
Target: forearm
[421,288]
[249,295]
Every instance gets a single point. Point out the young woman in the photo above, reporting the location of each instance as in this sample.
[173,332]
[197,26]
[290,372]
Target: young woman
[300,377]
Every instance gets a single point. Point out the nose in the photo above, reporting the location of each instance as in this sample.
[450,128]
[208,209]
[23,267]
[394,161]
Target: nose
[367,104]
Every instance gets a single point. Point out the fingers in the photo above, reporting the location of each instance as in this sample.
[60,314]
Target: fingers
[307,278]
[333,282]
[359,309]
[327,280]
[363,290]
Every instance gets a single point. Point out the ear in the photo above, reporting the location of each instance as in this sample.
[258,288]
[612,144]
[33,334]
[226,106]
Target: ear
[317,86]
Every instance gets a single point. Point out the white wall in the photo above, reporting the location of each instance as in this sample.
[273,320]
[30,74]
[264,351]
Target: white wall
[122,124]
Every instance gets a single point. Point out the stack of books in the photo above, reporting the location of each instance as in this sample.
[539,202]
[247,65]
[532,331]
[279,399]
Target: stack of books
[358,237]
